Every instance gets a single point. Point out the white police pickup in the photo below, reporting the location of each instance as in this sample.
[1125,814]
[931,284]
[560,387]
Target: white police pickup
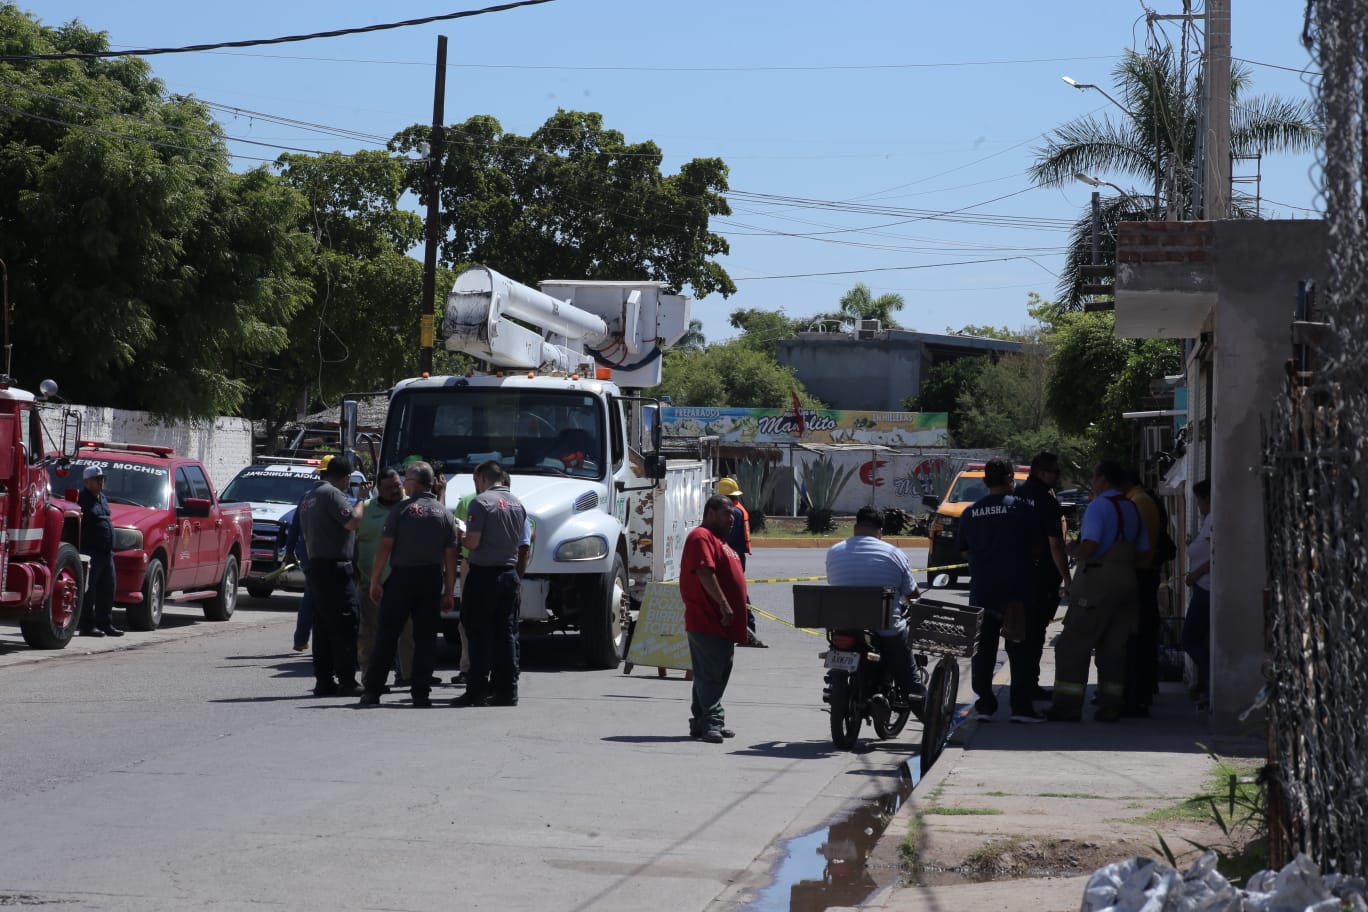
[273,489]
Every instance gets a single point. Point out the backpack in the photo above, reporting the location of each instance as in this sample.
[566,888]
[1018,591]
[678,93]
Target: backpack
[1166,549]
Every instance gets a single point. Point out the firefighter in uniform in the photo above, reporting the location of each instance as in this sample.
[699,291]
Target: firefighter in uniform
[329,520]
[497,549]
[1104,601]
[420,542]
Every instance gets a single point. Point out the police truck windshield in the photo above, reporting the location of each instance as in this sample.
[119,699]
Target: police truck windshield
[131,483]
[530,432]
[267,485]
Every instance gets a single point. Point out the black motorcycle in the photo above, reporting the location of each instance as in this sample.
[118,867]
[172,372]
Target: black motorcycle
[858,684]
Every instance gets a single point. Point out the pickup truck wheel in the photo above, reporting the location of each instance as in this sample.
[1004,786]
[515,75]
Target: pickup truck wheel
[55,626]
[605,617]
[148,615]
[257,589]
[220,607]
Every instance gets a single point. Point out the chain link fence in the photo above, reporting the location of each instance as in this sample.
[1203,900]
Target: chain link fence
[1316,501]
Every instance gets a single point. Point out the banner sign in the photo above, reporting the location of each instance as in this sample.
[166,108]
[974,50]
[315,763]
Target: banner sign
[659,639]
[745,425]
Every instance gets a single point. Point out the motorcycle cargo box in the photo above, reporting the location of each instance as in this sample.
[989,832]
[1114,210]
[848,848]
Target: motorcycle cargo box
[842,607]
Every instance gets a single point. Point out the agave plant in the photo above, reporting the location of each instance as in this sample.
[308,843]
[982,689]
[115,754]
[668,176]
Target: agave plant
[824,482]
[757,487]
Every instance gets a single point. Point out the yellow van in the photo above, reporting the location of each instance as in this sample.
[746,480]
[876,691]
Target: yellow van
[967,487]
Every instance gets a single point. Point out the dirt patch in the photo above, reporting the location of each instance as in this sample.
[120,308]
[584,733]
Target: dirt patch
[1018,858]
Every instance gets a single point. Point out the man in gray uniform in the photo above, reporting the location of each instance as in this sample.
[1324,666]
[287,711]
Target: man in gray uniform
[420,543]
[329,521]
[497,549]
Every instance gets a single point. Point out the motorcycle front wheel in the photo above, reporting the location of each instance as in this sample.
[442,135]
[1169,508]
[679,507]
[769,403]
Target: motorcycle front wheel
[846,717]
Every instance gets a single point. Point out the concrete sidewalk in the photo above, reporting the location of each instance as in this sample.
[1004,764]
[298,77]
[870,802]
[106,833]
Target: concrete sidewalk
[1017,817]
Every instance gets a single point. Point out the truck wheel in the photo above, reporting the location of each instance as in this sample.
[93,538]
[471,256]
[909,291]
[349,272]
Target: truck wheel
[53,629]
[220,607]
[604,618]
[258,589]
[148,615]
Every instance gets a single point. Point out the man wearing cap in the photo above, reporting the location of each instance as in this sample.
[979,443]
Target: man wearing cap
[418,544]
[329,522]
[740,540]
[97,542]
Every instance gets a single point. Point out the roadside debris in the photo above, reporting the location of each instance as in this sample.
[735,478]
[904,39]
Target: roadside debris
[1145,885]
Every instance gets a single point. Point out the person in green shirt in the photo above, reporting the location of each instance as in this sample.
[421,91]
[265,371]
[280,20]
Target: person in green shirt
[389,493]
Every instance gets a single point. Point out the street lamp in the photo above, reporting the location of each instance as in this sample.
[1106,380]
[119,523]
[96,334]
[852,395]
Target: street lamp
[1094,182]
[1088,85]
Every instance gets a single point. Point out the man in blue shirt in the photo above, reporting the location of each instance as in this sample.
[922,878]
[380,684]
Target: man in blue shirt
[995,536]
[865,559]
[1104,601]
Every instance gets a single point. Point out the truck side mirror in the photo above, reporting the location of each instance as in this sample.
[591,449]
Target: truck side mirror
[196,506]
[655,466]
[71,433]
[347,425]
[930,501]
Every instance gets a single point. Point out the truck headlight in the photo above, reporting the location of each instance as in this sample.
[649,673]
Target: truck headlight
[128,540]
[591,547]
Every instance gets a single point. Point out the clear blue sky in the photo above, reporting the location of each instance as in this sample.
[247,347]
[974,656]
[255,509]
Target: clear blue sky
[928,106]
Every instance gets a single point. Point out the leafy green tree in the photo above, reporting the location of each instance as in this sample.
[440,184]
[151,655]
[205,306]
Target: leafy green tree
[945,382]
[576,200]
[1097,376]
[730,374]
[763,329]
[1159,138]
[359,330]
[141,269]
[860,304]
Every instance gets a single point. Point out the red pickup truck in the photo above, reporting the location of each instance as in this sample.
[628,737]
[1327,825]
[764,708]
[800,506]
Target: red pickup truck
[171,534]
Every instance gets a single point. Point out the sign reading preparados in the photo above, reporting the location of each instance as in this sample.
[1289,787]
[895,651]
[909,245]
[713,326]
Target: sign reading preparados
[659,639]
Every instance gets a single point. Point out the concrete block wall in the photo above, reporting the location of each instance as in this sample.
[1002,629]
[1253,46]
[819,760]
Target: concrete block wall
[224,445]
[1165,242]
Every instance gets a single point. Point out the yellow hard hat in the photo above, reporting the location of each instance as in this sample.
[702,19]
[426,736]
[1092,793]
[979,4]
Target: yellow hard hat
[323,464]
[729,487]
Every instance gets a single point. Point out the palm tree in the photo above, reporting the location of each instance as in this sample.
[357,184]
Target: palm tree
[692,340]
[860,304]
[1160,137]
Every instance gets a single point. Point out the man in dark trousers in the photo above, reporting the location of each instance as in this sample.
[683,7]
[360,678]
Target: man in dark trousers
[713,588]
[497,549]
[420,544]
[1104,601]
[97,541]
[995,536]
[1049,565]
[329,522]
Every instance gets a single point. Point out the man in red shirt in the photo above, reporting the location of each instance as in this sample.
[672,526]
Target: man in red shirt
[713,587]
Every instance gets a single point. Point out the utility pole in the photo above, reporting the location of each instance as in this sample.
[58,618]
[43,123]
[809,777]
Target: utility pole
[1096,228]
[1216,172]
[432,181]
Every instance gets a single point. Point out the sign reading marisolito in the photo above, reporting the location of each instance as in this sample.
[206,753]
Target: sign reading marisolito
[744,425]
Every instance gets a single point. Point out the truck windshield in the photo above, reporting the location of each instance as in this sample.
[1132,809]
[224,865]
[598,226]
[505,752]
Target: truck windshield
[968,489]
[132,483]
[266,485]
[530,432]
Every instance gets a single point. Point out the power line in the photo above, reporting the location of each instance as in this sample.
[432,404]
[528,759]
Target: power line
[257,42]
[808,275]
[785,68]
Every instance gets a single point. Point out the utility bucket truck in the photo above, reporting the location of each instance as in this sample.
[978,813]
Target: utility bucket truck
[609,514]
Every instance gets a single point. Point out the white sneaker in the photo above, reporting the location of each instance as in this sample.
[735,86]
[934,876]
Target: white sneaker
[1029,718]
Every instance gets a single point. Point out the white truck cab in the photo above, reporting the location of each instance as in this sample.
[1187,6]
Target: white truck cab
[609,514]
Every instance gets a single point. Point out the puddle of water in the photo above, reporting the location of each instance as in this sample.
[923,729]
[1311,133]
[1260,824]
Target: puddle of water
[827,867]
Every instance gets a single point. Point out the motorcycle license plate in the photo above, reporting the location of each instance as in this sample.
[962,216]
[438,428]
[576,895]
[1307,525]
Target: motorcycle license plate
[843,661]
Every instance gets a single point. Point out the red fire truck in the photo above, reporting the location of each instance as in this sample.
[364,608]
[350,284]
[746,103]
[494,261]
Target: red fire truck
[40,563]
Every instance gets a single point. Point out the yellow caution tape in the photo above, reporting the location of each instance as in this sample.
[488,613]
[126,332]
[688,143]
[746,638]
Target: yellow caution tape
[814,579]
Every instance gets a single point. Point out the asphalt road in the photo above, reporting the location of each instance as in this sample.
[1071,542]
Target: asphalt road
[189,768]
